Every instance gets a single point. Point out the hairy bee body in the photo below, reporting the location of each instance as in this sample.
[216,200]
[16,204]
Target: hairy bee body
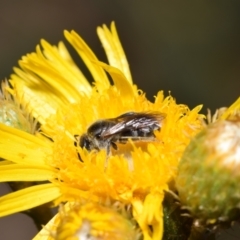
[104,134]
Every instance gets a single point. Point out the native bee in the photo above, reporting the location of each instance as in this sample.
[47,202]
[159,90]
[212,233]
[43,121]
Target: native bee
[106,133]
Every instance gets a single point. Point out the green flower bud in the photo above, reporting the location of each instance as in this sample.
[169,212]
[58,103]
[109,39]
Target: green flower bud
[12,113]
[209,172]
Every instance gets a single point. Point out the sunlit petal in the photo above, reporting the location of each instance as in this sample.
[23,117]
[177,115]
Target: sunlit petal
[22,147]
[28,198]
[19,172]
[114,49]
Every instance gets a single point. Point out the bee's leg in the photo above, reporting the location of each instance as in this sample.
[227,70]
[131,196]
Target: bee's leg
[77,137]
[79,157]
[114,145]
[108,152]
[76,144]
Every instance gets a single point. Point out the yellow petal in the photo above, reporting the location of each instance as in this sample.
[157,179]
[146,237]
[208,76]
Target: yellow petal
[120,81]
[233,109]
[22,147]
[68,72]
[20,172]
[5,162]
[150,213]
[114,50]
[88,56]
[48,79]
[44,233]
[28,198]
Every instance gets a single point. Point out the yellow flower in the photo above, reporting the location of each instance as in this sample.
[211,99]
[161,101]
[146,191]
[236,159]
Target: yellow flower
[61,99]
[85,221]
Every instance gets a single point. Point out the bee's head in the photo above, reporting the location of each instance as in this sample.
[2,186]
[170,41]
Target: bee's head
[85,142]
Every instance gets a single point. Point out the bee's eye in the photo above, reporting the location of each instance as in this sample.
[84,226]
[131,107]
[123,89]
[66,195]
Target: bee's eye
[85,142]
[97,136]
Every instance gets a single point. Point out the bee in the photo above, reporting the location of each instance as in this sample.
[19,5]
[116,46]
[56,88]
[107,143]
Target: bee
[107,133]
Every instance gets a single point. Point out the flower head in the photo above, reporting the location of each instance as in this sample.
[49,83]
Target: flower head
[213,158]
[12,113]
[94,221]
[61,99]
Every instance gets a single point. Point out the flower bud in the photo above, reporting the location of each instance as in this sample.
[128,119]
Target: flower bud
[12,113]
[96,222]
[209,172]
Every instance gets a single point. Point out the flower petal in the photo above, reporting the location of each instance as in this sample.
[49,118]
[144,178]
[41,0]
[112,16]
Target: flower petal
[47,79]
[44,232]
[120,81]
[235,107]
[150,213]
[5,162]
[68,72]
[114,50]
[20,172]
[28,198]
[88,56]
[48,72]
[22,147]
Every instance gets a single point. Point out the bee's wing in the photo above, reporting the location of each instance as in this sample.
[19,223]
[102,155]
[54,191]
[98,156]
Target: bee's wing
[135,121]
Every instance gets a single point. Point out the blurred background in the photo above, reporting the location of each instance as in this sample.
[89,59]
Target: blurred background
[191,48]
